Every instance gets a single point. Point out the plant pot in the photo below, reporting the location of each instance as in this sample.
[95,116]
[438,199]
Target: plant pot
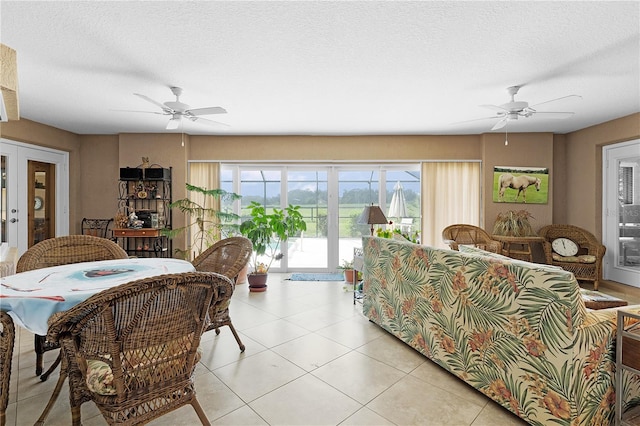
[257,282]
[242,275]
[350,275]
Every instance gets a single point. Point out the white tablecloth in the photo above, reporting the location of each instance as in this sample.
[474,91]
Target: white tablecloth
[32,297]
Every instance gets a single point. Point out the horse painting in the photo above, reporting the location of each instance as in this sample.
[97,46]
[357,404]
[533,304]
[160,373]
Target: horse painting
[507,180]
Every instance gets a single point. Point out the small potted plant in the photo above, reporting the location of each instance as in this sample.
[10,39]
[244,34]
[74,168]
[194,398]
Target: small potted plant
[349,273]
[267,231]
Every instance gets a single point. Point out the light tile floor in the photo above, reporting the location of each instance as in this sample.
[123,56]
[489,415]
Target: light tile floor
[312,358]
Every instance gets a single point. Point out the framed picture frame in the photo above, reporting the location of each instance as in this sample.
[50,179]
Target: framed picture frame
[522,185]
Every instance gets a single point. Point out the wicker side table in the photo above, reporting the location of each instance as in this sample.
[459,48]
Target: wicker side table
[518,247]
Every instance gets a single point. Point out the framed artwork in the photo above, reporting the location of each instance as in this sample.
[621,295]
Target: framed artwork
[512,184]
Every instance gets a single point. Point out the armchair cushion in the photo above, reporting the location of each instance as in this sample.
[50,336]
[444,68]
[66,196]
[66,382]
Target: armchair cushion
[583,258]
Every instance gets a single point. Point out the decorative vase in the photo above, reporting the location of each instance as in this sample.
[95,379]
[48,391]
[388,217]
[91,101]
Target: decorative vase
[257,282]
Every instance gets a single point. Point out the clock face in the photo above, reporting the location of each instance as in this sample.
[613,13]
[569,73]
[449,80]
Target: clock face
[564,247]
[38,203]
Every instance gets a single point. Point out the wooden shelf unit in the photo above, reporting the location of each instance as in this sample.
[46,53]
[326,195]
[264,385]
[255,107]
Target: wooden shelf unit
[147,192]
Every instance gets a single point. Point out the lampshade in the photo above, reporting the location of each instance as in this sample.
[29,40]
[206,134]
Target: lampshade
[372,215]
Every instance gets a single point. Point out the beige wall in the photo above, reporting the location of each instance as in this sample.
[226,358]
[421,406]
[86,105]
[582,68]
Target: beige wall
[573,160]
[335,148]
[584,169]
[524,149]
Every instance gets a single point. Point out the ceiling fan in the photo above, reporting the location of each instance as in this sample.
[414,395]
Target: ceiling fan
[179,110]
[513,110]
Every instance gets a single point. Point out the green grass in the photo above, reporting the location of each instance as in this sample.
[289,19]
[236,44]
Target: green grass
[533,196]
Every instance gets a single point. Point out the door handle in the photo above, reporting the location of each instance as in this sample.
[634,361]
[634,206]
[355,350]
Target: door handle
[14,220]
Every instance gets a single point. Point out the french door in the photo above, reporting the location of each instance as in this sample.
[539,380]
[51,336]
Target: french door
[35,187]
[621,204]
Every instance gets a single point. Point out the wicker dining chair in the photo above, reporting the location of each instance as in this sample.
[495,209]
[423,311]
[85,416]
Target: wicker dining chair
[62,251]
[133,349]
[463,234]
[7,339]
[226,257]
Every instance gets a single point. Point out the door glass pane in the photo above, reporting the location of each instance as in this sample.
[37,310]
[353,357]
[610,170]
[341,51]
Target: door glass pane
[629,213]
[356,189]
[403,201]
[41,220]
[308,189]
[262,186]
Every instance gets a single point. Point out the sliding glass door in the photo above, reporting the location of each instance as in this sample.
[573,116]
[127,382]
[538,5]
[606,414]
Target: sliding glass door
[331,198]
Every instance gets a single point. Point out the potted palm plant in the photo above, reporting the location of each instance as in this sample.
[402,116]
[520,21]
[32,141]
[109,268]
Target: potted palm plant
[267,231]
[207,222]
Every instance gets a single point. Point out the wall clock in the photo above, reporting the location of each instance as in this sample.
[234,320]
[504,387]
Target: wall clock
[38,203]
[564,247]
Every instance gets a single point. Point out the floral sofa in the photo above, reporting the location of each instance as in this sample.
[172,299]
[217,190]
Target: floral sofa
[516,331]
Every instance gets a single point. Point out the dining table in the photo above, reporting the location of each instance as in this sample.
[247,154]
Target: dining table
[32,297]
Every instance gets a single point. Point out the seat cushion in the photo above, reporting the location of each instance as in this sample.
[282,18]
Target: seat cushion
[99,377]
[583,258]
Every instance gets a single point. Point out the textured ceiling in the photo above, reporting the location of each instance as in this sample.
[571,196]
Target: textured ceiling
[318,67]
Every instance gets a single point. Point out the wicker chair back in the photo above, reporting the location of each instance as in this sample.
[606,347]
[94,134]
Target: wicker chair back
[147,333]
[463,234]
[226,257]
[63,251]
[7,339]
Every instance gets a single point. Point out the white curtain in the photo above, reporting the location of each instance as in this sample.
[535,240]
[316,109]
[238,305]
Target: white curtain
[450,194]
[204,175]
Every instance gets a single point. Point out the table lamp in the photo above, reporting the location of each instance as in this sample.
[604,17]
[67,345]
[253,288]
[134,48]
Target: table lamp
[372,215]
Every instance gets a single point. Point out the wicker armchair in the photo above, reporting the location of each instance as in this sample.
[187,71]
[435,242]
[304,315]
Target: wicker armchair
[7,338]
[62,251]
[133,349]
[587,245]
[461,234]
[226,257]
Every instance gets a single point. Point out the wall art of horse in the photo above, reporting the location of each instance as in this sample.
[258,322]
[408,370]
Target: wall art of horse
[521,183]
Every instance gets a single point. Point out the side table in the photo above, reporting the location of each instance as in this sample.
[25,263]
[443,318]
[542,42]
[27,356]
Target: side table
[518,247]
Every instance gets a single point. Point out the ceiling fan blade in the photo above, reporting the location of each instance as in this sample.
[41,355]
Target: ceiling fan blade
[144,112]
[209,122]
[493,117]
[557,99]
[156,103]
[206,111]
[496,108]
[554,115]
[500,124]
